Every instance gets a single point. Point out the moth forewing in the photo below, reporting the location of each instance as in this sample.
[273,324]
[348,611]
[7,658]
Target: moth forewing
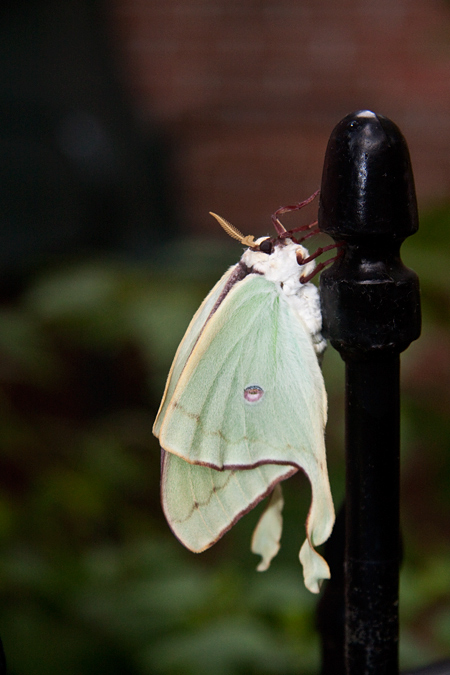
[253,338]
[186,345]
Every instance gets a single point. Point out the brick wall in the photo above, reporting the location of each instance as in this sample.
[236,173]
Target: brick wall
[249,90]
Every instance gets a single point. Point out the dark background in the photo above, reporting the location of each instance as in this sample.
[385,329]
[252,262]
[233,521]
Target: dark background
[122,125]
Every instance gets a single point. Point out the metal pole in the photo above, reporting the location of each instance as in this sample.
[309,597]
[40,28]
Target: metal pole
[371,311]
[372,500]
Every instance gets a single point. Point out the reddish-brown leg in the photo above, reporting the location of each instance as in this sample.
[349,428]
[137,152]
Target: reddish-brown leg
[322,265]
[280,229]
[319,251]
[311,229]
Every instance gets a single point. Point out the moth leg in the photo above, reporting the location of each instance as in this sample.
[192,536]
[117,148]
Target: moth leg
[322,265]
[311,230]
[279,227]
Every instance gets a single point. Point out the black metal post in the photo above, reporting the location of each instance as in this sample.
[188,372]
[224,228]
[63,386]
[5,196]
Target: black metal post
[371,310]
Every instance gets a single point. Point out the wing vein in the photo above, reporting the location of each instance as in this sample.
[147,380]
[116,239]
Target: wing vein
[211,532]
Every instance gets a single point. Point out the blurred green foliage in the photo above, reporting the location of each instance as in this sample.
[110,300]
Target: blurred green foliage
[91,578]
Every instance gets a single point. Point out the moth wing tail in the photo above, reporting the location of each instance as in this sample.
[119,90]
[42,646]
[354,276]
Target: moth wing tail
[267,533]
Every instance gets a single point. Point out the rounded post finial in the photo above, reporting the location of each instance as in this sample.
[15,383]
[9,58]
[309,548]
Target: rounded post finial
[370,300]
[367,183]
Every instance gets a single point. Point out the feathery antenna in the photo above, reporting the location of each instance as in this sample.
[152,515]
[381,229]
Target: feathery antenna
[248,240]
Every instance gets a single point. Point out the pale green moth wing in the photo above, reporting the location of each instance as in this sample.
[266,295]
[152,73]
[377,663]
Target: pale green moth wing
[186,345]
[201,503]
[250,397]
[267,534]
[254,339]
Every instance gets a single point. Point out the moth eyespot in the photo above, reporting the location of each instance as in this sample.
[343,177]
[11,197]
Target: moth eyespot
[266,246]
[253,393]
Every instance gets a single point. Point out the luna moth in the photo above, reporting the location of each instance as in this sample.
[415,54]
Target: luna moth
[245,407]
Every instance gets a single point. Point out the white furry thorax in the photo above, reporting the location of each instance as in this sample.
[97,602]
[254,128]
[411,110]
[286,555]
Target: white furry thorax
[282,268]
